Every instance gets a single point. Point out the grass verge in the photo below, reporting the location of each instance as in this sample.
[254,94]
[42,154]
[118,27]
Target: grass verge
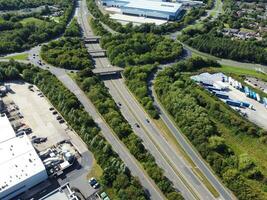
[173,141]
[96,171]
[22,56]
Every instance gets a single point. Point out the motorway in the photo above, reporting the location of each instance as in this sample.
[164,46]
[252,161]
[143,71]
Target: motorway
[117,145]
[175,167]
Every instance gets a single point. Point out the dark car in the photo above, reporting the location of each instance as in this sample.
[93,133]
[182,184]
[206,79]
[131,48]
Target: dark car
[51,108]
[93,182]
[147,121]
[28,130]
[137,125]
[61,121]
[39,140]
[59,118]
[54,113]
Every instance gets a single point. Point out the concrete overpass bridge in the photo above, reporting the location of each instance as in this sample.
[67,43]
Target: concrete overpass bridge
[91,39]
[107,70]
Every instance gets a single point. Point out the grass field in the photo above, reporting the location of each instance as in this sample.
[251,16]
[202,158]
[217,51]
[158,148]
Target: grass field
[22,56]
[31,20]
[241,71]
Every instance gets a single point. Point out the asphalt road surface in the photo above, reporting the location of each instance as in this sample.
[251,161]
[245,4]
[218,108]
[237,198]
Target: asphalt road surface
[174,166]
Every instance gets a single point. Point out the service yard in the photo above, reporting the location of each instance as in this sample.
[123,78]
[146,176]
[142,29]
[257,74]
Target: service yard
[34,107]
[28,107]
[258,114]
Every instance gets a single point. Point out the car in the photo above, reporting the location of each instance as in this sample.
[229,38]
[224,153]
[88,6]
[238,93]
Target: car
[20,115]
[137,125]
[33,137]
[28,130]
[51,108]
[59,118]
[147,121]
[54,112]
[92,181]
[103,195]
[61,121]
[97,185]
[119,103]
[19,133]
[39,140]
[40,93]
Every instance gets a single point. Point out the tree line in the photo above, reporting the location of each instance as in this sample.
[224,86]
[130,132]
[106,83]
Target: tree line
[116,175]
[136,80]
[204,120]
[21,4]
[223,47]
[15,36]
[99,95]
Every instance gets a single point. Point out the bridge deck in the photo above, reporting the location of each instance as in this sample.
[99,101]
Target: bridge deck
[107,70]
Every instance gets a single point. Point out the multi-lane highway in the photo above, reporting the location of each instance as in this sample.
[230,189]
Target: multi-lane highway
[175,167]
[111,137]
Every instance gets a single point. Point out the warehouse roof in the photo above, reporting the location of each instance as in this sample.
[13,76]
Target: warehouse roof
[153,5]
[7,131]
[18,161]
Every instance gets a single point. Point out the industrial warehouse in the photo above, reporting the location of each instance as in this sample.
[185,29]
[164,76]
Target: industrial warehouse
[20,166]
[146,8]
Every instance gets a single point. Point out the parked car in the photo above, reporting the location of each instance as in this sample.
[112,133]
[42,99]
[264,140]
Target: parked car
[51,108]
[147,121]
[93,182]
[59,118]
[39,140]
[19,133]
[54,112]
[137,125]
[61,121]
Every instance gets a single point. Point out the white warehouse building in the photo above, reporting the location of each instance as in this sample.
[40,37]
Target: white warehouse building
[146,8]
[20,166]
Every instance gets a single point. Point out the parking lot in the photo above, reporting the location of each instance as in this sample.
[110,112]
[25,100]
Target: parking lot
[258,114]
[34,108]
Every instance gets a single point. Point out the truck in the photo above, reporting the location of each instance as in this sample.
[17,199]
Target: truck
[233,103]
[221,95]
[258,97]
